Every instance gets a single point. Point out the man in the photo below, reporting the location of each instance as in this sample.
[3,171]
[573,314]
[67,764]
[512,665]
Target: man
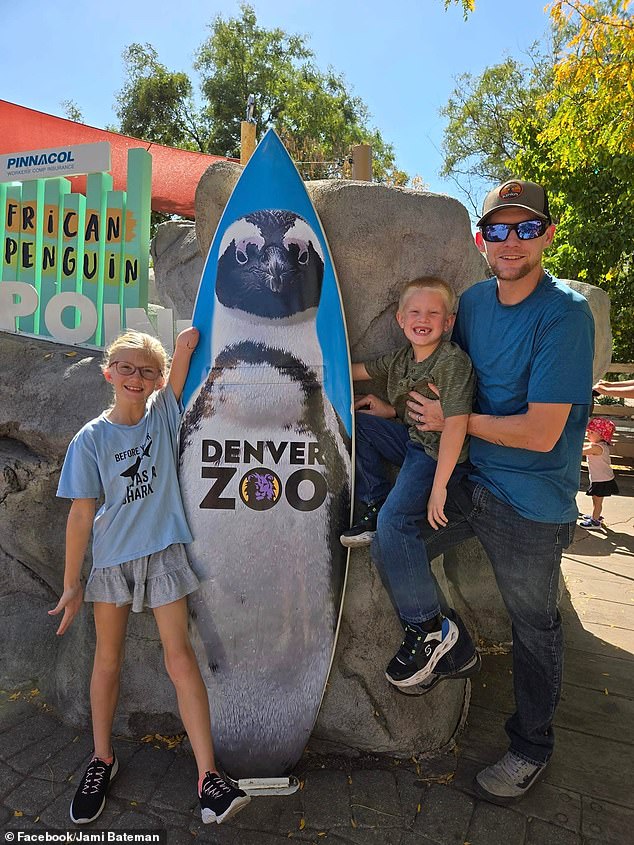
[531,339]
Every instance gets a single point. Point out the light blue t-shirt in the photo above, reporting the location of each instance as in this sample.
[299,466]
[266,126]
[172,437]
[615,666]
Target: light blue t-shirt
[134,468]
[539,350]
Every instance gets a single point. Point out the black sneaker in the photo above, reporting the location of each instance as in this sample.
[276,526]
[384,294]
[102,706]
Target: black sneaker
[219,800]
[90,798]
[419,653]
[363,531]
[470,668]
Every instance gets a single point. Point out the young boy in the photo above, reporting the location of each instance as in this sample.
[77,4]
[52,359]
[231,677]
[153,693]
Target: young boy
[386,433]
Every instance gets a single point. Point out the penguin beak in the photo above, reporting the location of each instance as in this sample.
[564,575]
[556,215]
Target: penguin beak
[276,266]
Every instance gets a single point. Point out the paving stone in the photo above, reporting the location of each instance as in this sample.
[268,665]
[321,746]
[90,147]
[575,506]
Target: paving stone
[12,713]
[541,833]
[69,763]
[607,823]
[33,730]
[177,788]
[136,820]
[8,779]
[363,836]
[496,824]
[326,799]
[445,814]
[410,789]
[5,815]
[139,778]
[276,814]
[228,834]
[57,814]
[374,799]
[34,758]
[33,798]
[552,804]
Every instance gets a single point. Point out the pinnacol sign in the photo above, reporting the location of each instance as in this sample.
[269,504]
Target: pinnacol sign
[74,268]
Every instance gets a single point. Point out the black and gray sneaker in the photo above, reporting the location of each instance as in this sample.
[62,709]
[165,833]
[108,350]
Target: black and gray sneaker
[363,531]
[468,670]
[219,800]
[420,651]
[508,780]
[90,798]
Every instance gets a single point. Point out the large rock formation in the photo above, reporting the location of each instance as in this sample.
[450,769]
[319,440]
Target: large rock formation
[379,238]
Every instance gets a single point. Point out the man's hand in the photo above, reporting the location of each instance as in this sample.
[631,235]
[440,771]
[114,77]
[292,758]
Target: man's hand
[436,508]
[70,602]
[426,413]
[371,404]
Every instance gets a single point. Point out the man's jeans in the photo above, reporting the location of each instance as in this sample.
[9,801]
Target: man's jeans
[525,556]
[397,540]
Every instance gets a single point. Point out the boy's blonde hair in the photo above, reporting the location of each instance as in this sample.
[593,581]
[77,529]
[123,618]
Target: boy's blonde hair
[130,339]
[430,283]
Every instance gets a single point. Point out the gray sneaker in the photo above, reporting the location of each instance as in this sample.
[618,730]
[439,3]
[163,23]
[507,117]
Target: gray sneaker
[507,780]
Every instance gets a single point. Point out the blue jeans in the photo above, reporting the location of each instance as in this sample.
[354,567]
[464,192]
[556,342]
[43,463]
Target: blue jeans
[525,556]
[397,540]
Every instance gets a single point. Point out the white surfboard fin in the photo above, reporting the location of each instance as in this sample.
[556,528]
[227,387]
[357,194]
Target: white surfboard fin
[268,786]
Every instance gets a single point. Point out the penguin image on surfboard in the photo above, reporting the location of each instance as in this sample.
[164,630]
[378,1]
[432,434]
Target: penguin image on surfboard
[265,467]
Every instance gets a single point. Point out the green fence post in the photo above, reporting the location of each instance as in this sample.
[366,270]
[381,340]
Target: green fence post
[30,253]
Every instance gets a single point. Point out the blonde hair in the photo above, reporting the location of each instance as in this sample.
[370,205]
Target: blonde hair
[430,283]
[138,341]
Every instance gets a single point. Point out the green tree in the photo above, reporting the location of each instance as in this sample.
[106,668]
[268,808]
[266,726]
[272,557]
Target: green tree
[157,104]
[564,120]
[313,111]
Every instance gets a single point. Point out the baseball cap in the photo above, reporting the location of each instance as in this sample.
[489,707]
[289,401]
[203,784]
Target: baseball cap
[516,194]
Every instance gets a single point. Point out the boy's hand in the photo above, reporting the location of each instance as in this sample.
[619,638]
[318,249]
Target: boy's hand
[426,413]
[188,339]
[436,508]
[70,602]
[371,404]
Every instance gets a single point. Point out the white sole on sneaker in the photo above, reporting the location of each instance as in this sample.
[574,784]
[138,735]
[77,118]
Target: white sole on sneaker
[442,648]
[357,542]
[239,803]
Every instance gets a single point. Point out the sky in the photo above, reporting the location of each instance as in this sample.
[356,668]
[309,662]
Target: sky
[402,58]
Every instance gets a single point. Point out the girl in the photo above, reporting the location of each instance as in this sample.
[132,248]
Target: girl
[599,434]
[128,455]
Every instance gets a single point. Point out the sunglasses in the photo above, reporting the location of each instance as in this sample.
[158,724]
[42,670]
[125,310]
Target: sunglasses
[527,230]
[125,369]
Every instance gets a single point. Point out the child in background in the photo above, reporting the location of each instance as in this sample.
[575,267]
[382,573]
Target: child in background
[128,456]
[602,483]
[385,433]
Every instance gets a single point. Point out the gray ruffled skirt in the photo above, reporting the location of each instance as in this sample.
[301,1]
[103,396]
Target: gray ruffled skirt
[150,581]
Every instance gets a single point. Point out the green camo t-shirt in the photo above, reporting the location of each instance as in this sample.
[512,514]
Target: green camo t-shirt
[448,367]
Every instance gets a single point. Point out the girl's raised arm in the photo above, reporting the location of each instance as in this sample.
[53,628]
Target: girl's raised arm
[186,342]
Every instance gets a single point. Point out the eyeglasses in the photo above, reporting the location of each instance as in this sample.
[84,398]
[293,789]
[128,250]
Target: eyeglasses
[527,230]
[125,369]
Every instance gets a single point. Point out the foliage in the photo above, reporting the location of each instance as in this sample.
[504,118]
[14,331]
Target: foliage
[72,111]
[313,111]
[583,152]
[564,120]
[157,104]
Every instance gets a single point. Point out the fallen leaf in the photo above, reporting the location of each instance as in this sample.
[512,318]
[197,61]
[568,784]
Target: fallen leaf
[302,823]
[70,354]
[18,813]
[353,823]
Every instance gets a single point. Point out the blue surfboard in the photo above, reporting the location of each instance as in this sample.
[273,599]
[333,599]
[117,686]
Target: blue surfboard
[265,467]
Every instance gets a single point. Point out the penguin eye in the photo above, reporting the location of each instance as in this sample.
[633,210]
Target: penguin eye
[242,249]
[302,249]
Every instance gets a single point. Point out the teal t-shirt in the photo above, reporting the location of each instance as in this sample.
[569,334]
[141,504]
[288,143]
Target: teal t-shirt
[133,467]
[539,350]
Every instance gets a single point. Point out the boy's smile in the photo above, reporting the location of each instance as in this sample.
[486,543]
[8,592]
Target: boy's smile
[424,318]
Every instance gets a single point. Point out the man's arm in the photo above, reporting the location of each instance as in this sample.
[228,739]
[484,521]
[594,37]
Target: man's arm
[186,342]
[537,430]
[451,440]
